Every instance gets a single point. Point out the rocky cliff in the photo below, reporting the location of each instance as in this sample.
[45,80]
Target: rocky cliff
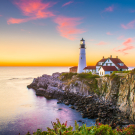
[119,90]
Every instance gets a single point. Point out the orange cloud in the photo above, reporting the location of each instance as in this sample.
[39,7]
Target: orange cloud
[35,9]
[101,43]
[127,46]
[67,27]
[67,3]
[130,25]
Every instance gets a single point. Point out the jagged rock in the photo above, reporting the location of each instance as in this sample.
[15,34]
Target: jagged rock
[76,92]
[41,89]
[72,107]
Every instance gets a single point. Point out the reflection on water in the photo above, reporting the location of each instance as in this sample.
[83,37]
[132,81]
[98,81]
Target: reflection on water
[21,110]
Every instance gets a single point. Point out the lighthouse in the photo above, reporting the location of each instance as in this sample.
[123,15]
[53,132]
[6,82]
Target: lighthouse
[82,57]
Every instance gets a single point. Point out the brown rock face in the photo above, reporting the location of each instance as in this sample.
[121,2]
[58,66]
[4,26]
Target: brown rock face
[121,92]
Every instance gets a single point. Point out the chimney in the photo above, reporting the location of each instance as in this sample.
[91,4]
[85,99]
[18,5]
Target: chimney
[103,57]
[116,56]
[110,56]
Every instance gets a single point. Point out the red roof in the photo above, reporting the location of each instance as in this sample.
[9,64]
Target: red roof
[90,67]
[74,67]
[116,61]
[102,60]
[109,68]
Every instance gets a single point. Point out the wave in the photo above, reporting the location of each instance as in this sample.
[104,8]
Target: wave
[21,78]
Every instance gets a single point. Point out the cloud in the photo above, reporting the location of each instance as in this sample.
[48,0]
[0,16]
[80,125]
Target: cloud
[67,3]
[101,43]
[109,9]
[120,37]
[132,11]
[0,15]
[34,9]
[25,30]
[67,27]
[130,25]
[127,46]
[17,21]
[108,33]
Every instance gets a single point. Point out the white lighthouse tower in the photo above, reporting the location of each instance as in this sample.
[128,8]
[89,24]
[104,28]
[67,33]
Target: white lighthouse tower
[82,57]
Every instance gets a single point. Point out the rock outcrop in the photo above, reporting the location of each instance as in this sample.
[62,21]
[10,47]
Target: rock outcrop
[121,92]
[116,98]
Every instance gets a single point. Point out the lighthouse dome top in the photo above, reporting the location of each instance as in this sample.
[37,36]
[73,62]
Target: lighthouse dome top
[82,39]
[82,43]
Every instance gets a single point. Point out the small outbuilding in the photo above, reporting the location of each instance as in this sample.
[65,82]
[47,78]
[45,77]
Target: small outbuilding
[91,69]
[73,69]
[107,70]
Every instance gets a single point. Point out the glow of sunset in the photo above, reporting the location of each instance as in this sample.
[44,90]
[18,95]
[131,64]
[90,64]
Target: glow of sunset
[48,33]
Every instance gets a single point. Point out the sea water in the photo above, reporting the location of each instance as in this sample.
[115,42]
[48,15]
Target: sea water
[22,111]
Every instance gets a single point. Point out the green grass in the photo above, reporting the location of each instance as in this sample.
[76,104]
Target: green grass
[66,76]
[87,76]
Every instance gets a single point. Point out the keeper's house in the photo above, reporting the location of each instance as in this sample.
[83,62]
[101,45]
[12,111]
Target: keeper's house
[104,66]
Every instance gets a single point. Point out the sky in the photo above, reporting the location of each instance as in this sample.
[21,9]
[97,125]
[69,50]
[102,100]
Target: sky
[48,32]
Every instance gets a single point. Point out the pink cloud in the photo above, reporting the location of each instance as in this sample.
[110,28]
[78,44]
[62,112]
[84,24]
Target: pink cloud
[101,43]
[23,30]
[0,15]
[67,3]
[108,33]
[109,9]
[130,25]
[17,21]
[120,37]
[132,11]
[127,46]
[67,27]
[34,9]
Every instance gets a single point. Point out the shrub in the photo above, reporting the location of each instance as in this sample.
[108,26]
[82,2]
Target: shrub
[87,76]
[132,71]
[99,129]
[114,77]
[106,75]
[66,76]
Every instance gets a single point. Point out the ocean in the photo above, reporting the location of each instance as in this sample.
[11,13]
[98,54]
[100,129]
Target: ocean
[22,111]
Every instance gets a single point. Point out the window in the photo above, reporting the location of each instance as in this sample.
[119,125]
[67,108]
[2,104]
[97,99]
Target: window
[110,64]
[108,60]
[106,64]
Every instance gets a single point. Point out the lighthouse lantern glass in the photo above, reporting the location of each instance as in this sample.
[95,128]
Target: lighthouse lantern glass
[81,42]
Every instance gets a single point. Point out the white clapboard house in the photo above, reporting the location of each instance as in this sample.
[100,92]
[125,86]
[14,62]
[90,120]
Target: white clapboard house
[107,66]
